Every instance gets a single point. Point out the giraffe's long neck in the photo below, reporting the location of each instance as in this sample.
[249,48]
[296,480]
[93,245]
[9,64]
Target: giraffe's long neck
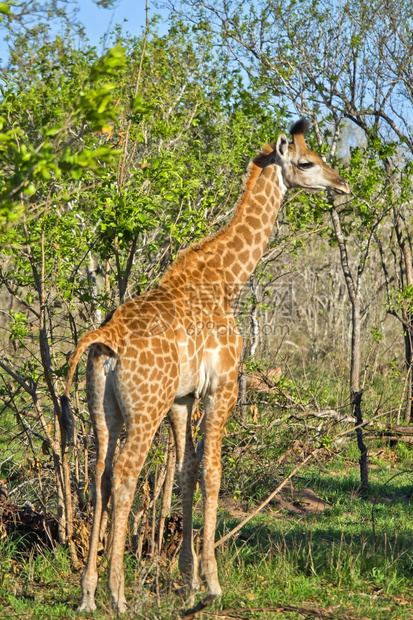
[242,243]
[220,265]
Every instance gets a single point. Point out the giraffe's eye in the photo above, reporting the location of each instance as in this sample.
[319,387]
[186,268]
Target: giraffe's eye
[305,165]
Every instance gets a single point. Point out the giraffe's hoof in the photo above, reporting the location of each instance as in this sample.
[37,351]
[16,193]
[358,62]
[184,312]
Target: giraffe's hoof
[209,599]
[87,605]
[194,611]
[120,607]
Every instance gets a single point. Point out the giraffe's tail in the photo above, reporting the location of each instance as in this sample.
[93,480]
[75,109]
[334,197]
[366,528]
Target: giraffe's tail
[97,336]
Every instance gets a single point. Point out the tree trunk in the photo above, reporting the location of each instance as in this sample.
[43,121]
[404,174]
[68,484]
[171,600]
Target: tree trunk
[60,459]
[355,395]
[406,280]
[363,460]
[409,367]
[242,397]
[355,344]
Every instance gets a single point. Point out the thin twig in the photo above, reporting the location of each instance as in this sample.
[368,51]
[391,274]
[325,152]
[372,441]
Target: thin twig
[267,500]
[304,611]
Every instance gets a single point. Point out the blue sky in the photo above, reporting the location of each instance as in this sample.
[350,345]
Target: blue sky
[98,21]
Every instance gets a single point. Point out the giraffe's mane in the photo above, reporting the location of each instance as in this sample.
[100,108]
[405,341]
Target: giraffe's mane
[253,172]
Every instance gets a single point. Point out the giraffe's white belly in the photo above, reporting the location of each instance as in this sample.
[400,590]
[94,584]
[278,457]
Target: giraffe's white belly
[198,380]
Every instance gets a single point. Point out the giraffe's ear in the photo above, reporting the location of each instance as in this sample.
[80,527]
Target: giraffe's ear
[281,147]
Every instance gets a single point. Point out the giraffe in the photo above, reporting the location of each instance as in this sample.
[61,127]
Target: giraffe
[160,352]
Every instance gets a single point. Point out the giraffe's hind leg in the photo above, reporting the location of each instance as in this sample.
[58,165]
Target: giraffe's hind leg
[144,403]
[187,465]
[107,422]
[125,475]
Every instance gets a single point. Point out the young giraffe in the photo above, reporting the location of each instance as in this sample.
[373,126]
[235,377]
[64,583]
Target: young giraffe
[161,351]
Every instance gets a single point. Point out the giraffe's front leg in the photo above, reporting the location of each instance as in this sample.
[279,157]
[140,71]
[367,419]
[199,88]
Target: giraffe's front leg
[218,407]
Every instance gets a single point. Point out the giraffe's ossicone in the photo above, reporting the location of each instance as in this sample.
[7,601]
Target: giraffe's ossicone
[160,352]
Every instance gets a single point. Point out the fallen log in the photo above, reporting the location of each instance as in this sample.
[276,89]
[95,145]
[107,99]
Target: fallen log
[393,439]
[396,429]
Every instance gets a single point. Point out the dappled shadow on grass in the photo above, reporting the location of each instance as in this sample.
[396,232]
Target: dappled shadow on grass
[329,560]
[262,534]
[371,536]
[330,487]
[327,563]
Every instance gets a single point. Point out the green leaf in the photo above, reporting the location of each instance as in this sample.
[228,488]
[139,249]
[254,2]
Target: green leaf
[30,189]
[5,8]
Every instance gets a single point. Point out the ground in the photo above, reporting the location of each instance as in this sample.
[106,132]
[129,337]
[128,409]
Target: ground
[320,550]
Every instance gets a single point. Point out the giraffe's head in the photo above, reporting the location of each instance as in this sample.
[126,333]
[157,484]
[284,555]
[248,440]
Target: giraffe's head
[304,168]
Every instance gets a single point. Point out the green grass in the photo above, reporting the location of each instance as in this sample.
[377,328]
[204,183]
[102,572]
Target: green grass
[356,558]
[323,561]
